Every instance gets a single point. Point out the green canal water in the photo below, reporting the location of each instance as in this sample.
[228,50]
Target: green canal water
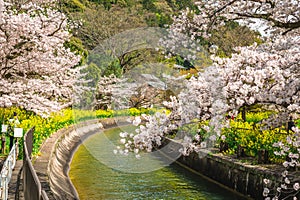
[97,173]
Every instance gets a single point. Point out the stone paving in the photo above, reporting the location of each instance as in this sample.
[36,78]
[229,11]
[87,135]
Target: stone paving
[40,164]
[15,187]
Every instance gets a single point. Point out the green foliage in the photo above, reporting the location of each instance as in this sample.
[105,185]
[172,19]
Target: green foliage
[297,123]
[191,129]
[232,35]
[98,60]
[149,5]
[105,65]
[186,4]
[113,68]
[128,112]
[250,135]
[136,58]
[99,23]
[158,12]
[105,18]
[91,75]
[109,3]
[72,6]
[163,19]
[174,5]
[76,46]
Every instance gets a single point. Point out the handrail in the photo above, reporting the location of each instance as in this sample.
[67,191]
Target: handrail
[6,172]
[32,185]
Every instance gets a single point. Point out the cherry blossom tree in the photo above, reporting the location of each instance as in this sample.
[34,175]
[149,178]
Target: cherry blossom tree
[289,186]
[260,73]
[37,70]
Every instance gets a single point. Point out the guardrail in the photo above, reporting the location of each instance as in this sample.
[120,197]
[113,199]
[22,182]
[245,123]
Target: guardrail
[32,186]
[6,172]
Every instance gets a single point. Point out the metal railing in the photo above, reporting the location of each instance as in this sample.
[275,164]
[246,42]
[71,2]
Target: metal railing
[32,185]
[6,172]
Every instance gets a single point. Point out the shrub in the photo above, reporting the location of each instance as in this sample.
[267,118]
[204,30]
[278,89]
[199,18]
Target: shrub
[251,136]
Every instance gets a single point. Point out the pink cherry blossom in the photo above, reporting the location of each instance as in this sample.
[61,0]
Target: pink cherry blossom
[37,70]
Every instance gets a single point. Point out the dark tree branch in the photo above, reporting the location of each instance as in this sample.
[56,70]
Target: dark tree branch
[58,29]
[222,8]
[286,25]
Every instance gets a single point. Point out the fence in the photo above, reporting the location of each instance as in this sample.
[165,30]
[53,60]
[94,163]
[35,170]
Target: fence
[32,186]
[6,172]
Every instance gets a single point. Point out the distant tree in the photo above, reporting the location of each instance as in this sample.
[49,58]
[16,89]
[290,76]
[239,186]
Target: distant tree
[232,35]
[99,24]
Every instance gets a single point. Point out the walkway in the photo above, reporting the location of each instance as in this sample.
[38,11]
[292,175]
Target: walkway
[15,192]
[40,164]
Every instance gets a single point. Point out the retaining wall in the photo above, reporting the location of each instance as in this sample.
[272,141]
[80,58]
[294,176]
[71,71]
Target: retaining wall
[243,178]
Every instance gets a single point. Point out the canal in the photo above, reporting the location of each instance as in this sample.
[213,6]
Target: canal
[97,173]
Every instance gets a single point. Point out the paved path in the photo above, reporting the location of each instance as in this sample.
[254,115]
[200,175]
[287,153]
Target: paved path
[15,192]
[41,162]
[15,187]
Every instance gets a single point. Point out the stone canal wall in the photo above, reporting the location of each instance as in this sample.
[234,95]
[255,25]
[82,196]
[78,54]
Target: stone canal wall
[59,163]
[230,172]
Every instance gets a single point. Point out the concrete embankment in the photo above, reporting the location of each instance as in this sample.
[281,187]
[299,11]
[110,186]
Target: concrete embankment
[232,173]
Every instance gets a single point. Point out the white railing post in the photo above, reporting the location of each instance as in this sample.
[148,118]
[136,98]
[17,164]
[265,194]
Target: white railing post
[6,188]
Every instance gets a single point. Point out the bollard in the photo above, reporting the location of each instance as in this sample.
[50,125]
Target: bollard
[263,156]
